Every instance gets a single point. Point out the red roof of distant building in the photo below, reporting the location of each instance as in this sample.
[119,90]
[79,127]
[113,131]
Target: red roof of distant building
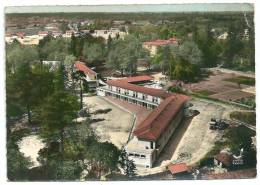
[137,79]
[82,67]
[157,42]
[160,42]
[70,31]
[43,33]
[178,168]
[158,120]
[123,83]
[20,34]
[8,34]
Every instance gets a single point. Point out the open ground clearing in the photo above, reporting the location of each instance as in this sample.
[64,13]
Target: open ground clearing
[30,146]
[116,125]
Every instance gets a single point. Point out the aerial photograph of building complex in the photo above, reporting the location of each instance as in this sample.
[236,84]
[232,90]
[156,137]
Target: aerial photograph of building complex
[130,92]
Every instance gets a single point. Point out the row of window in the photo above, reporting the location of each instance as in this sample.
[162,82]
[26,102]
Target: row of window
[137,155]
[126,92]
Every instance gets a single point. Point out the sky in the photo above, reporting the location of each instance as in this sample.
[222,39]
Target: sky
[199,7]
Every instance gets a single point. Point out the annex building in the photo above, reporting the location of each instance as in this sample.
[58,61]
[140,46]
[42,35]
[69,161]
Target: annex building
[90,75]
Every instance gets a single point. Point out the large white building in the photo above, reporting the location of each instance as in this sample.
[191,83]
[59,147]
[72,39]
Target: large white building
[152,134]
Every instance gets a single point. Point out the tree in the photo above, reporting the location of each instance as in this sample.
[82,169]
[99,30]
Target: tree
[185,71]
[73,43]
[55,49]
[19,55]
[124,54]
[22,88]
[93,52]
[164,57]
[109,43]
[127,164]
[102,156]
[57,112]
[114,57]
[69,62]
[17,164]
[189,51]
[233,45]
[79,76]
[68,170]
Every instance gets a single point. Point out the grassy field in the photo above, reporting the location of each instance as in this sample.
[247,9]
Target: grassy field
[241,80]
[247,117]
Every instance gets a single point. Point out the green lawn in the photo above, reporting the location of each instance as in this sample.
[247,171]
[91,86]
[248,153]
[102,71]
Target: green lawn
[241,80]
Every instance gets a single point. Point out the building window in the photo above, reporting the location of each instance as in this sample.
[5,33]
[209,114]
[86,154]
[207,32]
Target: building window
[143,156]
[137,155]
[144,97]
[130,154]
[151,145]
[126,92]
[135,94]
[155,99]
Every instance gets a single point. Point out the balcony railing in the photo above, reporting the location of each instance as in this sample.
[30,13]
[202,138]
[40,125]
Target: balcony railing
[127,96]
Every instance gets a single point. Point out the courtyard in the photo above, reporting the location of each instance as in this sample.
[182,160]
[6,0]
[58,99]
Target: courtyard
[115,125]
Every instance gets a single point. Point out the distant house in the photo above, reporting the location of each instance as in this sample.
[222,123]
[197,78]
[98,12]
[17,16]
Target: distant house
[20,35]
[113,32]
[223,36]
[223,159]
[118,22]
[56,34]
[69,33]
[153,45]
[43,33]
[90,75]
[226,159]
[53,64]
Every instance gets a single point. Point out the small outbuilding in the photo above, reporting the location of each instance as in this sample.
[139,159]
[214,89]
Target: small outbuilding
[180,168]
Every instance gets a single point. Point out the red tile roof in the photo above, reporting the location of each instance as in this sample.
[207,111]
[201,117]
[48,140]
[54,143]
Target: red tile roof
[43,33]
[157,42]
[178,168]
[137,79]
[158,120]
[160,42]
[82,67]
[20,34]
[150,91]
